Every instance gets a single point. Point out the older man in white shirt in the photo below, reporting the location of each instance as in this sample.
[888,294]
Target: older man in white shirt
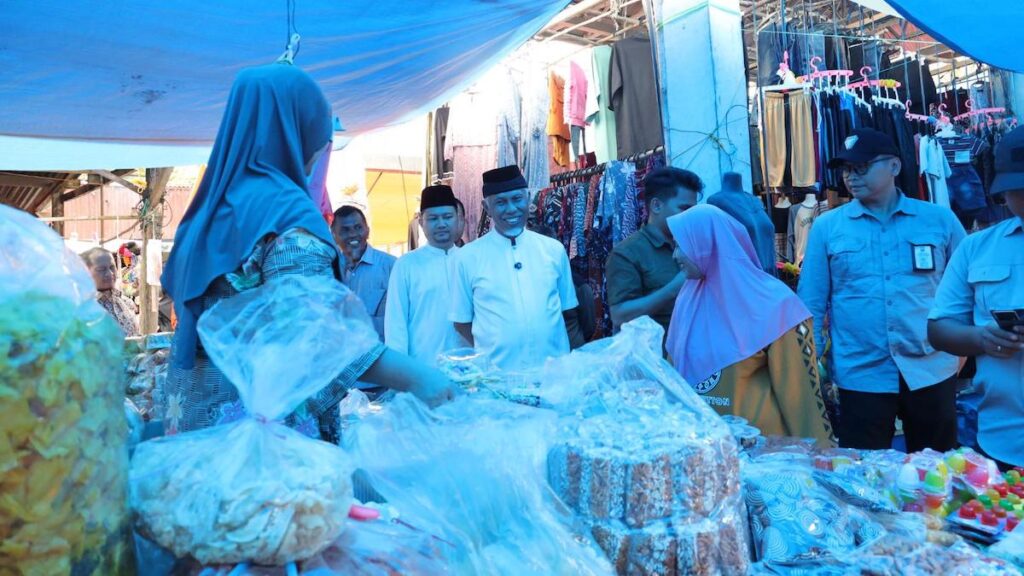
[419,292]
[511,286]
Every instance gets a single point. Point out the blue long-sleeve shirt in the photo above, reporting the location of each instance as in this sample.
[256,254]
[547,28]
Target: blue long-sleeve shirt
[859,281]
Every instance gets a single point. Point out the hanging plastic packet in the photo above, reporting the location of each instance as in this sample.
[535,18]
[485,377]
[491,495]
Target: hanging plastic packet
[255,490]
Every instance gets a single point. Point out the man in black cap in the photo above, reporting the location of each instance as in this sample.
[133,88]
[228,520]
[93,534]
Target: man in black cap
[985,279]
[511,286]
[416,317]
[870,275]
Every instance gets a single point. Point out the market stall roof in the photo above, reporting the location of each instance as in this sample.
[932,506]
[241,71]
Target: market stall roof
[987,31]
[155,76]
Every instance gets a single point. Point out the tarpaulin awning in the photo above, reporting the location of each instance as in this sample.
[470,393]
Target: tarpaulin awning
[157,74]
[986,31]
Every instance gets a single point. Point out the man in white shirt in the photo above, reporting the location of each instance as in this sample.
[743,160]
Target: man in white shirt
[511,286]
[416,315]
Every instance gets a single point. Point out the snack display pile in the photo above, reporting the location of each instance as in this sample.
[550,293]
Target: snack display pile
[63,441]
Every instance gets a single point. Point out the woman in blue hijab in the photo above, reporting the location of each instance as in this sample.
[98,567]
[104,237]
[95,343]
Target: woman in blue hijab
[252,220]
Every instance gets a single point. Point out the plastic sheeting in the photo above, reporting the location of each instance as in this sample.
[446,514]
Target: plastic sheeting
[987,31]
[147,73]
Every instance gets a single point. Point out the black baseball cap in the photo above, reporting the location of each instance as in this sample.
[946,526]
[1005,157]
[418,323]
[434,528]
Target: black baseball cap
[863,145]
[1009,163]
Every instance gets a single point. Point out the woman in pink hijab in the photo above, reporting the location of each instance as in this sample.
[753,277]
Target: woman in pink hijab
[739,336]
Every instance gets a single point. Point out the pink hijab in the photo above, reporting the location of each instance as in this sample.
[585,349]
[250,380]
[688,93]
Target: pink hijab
[737,309]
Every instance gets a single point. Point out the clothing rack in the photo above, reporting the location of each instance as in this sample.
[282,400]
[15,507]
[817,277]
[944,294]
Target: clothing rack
[598,168]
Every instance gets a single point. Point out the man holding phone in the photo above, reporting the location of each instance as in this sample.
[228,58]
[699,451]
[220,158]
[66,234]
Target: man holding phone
[979,310]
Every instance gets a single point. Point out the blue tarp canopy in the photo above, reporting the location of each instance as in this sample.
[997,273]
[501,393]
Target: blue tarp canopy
[150,79]
[987,31]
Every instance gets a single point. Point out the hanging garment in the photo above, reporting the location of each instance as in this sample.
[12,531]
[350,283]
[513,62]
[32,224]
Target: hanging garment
[509,120]
[576,96]
[632,87]
[471,143]
[557,129]
[789,140]
[602,131]
[442,164]
[470,163]
[536,105]
[935,169]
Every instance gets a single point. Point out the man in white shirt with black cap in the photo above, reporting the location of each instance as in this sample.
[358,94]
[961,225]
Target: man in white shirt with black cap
[511,286]
[419,292]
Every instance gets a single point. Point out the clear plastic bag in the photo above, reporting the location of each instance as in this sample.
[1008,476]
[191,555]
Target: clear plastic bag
[256,490]
[794,520]
[63,433]
[646,466]
[477,464]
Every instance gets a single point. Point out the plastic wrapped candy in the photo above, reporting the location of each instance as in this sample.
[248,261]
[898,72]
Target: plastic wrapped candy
[793,519]
[63,434]
[477,465]
[255,490]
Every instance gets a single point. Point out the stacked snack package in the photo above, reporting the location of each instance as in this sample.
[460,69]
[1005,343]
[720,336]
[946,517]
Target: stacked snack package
[477,465]
[63,452]
[255,490]
[648,469]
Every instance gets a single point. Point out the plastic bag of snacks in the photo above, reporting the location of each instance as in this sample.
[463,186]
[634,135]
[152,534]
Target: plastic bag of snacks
[477,464]
[256,490]
[63,434]
[649,470]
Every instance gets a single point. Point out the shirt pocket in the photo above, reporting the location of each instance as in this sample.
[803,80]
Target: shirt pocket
[849,260]
[938,243]
[994,286]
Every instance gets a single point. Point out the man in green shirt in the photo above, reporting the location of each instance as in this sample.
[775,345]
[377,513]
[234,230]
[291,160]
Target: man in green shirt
[643,279]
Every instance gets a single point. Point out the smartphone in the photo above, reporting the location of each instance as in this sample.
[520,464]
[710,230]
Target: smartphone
[1008,319]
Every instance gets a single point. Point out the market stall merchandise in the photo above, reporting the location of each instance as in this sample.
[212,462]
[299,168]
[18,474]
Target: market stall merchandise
[255,490]
[63,455]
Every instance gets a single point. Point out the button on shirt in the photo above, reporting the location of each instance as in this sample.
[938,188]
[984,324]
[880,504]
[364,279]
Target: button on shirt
[369,280]
[859,272]
[419,293]
[514,296]
[987,273]
[640,265]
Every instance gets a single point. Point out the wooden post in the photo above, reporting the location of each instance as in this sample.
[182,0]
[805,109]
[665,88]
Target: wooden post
[57,211]
[152,228]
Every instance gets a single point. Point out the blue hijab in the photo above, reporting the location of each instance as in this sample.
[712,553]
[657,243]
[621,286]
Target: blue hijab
[255,184]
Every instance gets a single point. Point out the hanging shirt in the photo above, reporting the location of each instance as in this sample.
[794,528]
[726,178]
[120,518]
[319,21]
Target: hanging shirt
[859,272]
[514,295]
[935,168]
[749,211]
[416,315]
[368,278]
[633,95]
[576,96]
[985,274]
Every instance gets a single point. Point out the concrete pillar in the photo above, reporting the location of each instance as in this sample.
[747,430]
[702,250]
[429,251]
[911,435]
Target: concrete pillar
[702,74]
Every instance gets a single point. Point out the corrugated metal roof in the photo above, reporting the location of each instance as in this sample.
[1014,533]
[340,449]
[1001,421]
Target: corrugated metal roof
[29,190]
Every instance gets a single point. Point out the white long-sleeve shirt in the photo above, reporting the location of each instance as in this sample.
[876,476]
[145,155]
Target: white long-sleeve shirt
[514,295]
[419,295]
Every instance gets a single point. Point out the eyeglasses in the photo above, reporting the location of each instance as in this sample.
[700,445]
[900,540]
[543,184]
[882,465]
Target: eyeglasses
[863,169]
